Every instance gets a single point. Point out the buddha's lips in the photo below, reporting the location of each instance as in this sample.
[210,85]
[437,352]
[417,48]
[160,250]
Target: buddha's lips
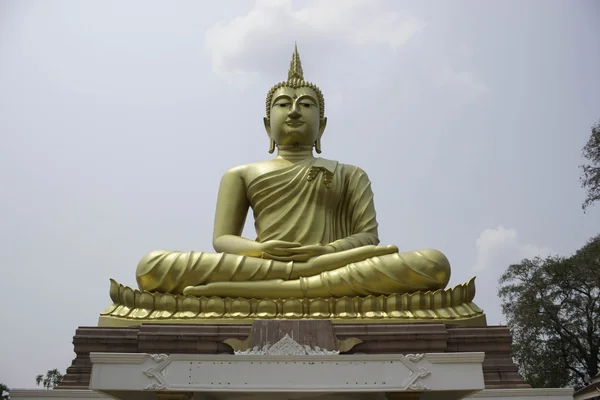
[295,123]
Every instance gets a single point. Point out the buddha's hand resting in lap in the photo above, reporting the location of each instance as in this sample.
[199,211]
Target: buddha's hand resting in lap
[297,253]
[275,249]
[331,261]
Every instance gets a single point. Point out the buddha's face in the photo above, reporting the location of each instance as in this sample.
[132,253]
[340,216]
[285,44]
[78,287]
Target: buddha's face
[295,117]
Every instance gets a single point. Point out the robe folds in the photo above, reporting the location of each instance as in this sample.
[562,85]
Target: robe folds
[314,201]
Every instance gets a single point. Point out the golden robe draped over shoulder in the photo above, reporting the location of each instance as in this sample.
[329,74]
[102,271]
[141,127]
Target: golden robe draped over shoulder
[311,202]
[315,202]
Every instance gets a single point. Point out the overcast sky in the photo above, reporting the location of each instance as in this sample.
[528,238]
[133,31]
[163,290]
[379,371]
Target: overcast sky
[118,119]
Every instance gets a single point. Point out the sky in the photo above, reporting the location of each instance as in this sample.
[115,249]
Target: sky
[117,120]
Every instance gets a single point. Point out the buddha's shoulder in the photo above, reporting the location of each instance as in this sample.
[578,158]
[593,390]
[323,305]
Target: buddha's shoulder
[259,165]
[248,172]
[346,171]
[350,169]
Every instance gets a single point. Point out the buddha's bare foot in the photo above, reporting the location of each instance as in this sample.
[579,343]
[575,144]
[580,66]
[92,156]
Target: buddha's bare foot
[197,291]
[232,289]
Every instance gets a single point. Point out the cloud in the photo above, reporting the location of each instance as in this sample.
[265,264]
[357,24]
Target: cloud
[273,25]
[500,247]
[496,249]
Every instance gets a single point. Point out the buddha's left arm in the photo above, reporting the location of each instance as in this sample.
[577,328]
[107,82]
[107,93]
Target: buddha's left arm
[361,216]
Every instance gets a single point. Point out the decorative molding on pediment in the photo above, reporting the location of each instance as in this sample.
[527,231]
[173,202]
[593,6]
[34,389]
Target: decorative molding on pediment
[286,346]
[418,372]
[156,372]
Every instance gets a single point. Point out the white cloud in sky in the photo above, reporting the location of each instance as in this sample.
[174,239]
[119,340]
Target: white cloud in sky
[502,247]
[271,22]
[496,249]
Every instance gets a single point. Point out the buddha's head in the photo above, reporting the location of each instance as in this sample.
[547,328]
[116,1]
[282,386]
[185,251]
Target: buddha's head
[295,111]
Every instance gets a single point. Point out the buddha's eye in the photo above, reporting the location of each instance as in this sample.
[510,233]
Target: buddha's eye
[306,105]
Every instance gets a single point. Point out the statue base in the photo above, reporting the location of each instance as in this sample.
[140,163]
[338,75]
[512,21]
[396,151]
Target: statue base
[498,370]
[293,359]
[131,308]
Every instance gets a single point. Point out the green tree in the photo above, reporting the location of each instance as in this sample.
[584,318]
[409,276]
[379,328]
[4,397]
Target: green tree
[50,380]
[4,395]
[590,173]
[552,307]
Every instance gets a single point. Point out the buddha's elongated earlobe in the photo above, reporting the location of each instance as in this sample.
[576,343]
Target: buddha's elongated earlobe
[272,147]
[318,146]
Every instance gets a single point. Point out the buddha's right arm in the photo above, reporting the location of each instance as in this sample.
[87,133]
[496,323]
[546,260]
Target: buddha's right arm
[233,244]
[232,208]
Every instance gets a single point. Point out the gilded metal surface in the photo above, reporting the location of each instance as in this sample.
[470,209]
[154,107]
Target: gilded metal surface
[132,307]
[317,249]
[346,345]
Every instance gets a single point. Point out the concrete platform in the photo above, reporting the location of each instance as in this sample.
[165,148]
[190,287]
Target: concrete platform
[499,370]
[433,376]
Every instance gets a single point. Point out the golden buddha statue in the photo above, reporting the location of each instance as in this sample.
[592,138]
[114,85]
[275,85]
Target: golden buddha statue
[315,222]
[316,254]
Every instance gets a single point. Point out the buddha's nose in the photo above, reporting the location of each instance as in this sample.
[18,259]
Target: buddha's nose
[294,111]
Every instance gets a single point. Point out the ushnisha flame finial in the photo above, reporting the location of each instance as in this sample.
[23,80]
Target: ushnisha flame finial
[295,71]
[295,80]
